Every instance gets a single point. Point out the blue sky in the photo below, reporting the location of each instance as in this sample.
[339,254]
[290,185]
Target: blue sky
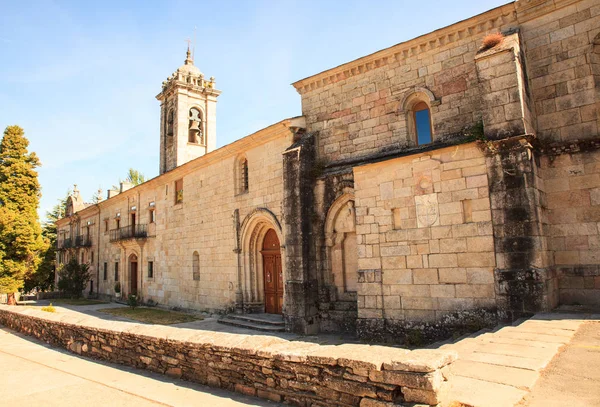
[81,77]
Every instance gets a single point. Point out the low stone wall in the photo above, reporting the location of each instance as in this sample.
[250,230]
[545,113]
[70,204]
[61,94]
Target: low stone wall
[298,373]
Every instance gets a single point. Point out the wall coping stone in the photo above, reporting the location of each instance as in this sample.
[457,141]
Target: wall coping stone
[299,373]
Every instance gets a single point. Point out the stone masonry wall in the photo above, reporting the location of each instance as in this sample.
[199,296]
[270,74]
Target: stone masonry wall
[572,183]
[297,373]
[201,223]
[558,36]
[425,239]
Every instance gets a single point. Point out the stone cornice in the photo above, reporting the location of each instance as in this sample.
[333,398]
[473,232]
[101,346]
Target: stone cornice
[530,9]
[481,23]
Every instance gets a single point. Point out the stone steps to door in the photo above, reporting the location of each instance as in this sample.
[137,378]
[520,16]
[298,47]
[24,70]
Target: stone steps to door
[257,322]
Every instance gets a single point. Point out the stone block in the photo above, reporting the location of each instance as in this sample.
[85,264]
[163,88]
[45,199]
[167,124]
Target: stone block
[452,275]
[455,245]
[483,259]
[443,260]
[475,291]
[442,290]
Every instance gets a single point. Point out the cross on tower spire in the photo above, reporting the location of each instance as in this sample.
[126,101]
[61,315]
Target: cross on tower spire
[189,60]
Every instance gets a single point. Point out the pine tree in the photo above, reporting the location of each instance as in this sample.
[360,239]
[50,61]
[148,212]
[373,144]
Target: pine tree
[20,232]
[135,177]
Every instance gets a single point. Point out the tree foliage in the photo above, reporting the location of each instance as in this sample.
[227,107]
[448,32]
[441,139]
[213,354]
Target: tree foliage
[43,279]
[73,278]
[20,233]
[135,177]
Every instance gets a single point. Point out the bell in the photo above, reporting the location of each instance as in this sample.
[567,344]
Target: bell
[195,126]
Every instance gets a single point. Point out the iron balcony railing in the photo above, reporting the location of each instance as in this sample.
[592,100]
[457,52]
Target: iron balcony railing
[65,243]
[129,232]
[83,241]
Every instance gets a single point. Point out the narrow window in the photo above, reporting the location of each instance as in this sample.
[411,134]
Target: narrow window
[82,257]
[244,175]
[92,257]
[106,225]
[118,223]
[152,216]
[196,266]
[170,120]
[150,269]
[179,191]
[422,123]
[105,271]
[116,271]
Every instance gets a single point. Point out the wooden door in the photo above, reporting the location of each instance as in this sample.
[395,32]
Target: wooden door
[273,274]
[134,282]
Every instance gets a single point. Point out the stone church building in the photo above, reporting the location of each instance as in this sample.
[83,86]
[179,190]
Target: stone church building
[435,183]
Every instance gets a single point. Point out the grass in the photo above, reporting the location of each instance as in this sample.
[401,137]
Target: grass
[491,40]
[151,315]
[78,301]
[49,308]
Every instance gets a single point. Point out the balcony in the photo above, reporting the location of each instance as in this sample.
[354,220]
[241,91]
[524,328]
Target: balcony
[83,241]
[65,244]
[129,232]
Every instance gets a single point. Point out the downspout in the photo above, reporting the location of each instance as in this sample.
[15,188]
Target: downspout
[141,262]
[239,298]
[98,256]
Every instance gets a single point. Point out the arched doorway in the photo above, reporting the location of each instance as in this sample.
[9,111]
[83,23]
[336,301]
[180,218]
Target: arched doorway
[133,274]
[272,273]
[250,297]
[342,251]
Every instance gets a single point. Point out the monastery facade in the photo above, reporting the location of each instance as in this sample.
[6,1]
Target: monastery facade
[432,184]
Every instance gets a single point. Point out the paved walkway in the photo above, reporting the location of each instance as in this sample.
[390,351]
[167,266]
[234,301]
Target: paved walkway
[573,377]
[36,374]
[499,368]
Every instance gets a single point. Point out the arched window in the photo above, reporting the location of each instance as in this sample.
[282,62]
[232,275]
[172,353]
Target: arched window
[422,123]
[416,107]
[196,266]
[195,133]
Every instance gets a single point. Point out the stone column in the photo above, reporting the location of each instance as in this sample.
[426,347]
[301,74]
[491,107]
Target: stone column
[301,286]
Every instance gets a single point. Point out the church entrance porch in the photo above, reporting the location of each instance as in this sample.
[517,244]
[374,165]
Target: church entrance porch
[272,273]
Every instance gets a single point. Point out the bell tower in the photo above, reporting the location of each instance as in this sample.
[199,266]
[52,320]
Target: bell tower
[188,119]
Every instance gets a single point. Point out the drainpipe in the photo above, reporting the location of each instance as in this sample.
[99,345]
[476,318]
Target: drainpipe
[239,297]
[98,256]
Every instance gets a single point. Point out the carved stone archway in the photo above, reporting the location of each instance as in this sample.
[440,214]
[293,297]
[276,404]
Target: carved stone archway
[250,278]
[340,240]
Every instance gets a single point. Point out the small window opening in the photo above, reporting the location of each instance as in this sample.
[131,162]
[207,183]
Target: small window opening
[422,123]
[179,191]
[196,266]
[244,175]
[150,269]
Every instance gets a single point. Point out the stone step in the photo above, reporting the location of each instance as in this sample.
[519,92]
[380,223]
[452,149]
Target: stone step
[251,325]
[262,319]
[522,379]
[482,393]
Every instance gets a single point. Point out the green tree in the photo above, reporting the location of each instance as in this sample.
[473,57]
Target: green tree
[43,279]
[73,277]
[135,177]
[20,233]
